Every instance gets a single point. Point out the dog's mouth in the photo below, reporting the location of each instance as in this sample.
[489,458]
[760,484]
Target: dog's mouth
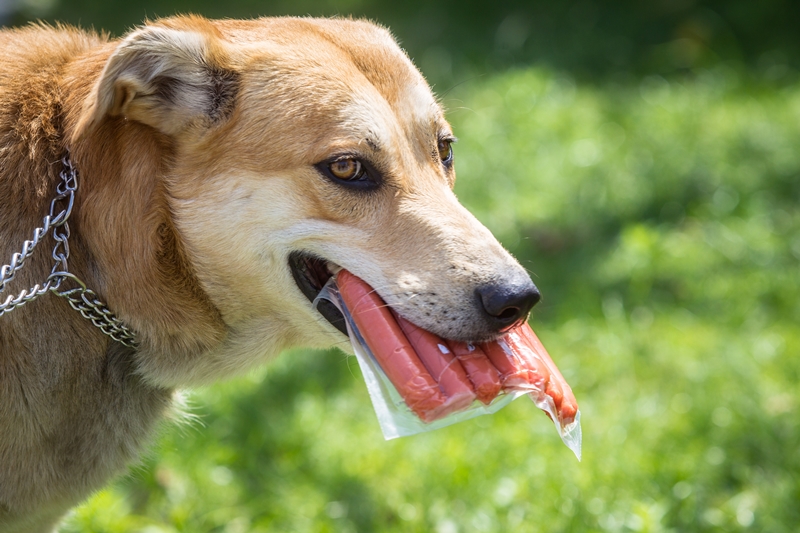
[311,273]
[428,371]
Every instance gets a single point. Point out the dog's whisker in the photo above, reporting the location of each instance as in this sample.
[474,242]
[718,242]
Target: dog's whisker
[530,272]
[473,78]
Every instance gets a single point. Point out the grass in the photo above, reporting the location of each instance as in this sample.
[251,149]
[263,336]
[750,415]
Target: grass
[659,218]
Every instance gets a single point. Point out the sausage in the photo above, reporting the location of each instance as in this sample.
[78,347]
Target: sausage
[390,347]
[517,372]
[480,371]
[437,377]
[531,358]
[557,388]
[442,365]
[509,368]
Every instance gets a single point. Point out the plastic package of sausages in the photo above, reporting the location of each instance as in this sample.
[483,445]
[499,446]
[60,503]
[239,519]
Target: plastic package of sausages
[419,382]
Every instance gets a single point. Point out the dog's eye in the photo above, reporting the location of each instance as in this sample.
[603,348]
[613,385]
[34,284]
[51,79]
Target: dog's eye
[350,171]
[347,169]
[445,147]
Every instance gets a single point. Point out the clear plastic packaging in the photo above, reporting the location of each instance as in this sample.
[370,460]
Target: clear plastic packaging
[395,417]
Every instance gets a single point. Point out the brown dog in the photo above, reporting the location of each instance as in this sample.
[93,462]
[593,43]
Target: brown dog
[224,169]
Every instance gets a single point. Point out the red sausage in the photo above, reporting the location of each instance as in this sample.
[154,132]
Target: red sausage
[442,364]
[481,372]
[557,388]
[391,347]
[517,371]
[531,359]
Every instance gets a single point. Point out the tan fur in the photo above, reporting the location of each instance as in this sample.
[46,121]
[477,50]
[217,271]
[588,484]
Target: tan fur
[196,142]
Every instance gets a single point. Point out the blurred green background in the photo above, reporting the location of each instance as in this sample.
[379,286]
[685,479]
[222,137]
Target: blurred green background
[642,160]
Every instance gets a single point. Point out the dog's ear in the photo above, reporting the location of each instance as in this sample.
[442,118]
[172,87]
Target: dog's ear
[168,78]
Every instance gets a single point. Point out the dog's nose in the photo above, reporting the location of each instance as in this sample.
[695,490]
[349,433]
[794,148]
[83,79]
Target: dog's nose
[505,304]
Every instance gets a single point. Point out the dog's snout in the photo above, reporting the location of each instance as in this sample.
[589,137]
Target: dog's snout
[506,304]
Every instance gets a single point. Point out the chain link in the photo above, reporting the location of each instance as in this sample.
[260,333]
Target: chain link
[80,298]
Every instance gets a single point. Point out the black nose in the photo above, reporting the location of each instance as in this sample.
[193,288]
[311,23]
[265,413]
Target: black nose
[505,304]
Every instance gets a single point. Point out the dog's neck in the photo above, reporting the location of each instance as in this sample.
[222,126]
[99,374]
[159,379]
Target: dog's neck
[57,371]
[123,166]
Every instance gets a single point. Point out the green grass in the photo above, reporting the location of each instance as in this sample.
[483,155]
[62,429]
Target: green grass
[659,218]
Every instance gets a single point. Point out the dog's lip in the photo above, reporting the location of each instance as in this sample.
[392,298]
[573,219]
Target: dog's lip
[310,273]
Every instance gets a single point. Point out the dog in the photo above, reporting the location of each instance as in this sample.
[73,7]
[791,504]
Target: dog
[215,175]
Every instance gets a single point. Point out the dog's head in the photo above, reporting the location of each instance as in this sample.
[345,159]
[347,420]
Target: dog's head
[299,146]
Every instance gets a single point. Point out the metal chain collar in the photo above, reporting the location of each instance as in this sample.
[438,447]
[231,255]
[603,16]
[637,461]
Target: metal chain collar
[80,298]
